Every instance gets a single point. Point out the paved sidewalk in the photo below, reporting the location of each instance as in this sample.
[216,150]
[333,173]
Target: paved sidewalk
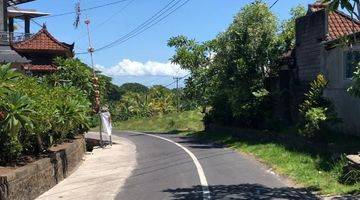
[100,176]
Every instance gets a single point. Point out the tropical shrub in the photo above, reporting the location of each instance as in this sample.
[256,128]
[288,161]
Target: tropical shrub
[316,112]
[35,115]
[16,109]
[74,73]
[7,78]
[157,101]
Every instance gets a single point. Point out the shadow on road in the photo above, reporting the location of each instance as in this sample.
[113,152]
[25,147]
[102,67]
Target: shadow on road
[243,191]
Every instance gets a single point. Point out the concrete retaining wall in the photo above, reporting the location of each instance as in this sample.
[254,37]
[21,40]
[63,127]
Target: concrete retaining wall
[30,181]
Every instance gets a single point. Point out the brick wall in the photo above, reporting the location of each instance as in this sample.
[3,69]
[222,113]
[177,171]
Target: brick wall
[310,30]
[30,181]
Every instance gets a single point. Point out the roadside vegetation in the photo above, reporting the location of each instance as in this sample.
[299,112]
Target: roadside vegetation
[310,166]
[230,82]
[35,116]
[183,122]
[37,113]
[306,163]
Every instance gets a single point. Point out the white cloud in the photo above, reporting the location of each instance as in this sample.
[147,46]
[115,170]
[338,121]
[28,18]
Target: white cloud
[133,68]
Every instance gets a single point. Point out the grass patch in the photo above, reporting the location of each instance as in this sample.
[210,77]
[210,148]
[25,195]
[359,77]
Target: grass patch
[309,167]
[308,164]
[188,121]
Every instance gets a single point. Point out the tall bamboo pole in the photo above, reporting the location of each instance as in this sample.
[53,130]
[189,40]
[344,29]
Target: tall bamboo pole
[95,79]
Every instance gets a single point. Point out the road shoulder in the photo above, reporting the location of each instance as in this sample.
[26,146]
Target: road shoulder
[100,176]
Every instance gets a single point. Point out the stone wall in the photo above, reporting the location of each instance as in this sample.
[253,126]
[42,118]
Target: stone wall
[310,31]
[30,181]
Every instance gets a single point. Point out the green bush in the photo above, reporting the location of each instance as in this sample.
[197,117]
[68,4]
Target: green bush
[35,115]
[317,112]
[157,101]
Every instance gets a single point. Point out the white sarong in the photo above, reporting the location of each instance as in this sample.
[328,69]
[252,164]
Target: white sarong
[106,123]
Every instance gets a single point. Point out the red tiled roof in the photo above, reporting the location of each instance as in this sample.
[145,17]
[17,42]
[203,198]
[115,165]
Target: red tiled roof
[47,68]
[41,41]
[341,25]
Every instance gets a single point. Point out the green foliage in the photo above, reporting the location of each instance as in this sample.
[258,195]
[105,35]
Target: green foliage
[176,122]
[196,58]
[35,115]
[16,109]
[244,56]
[77,74]
[228,73]
[157,101]
[134,87]
[7,78]
[317,112]
[287,35]
[355,85]
[72,72]
[349,5]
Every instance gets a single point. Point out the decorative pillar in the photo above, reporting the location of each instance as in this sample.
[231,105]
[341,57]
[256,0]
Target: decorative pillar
[11,25]
[27,25]
[3,20]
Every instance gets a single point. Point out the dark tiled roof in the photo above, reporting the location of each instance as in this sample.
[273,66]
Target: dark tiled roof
[45,68]
[341,25]
[42,41]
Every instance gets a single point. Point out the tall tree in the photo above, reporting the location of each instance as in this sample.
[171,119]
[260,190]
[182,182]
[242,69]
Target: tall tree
[195,57]
[245,55]
[287,35]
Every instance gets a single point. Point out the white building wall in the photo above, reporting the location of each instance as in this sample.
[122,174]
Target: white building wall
[347,106]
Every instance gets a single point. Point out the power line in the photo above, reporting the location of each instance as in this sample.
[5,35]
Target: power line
[274,4]
[109,18]
[178,79]
[150,25]
[85,9]
[152,21]
[141,26]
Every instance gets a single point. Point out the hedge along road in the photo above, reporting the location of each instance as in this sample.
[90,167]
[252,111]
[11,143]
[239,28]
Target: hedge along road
[179,167]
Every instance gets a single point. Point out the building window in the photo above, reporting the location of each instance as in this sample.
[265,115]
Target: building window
[352,60]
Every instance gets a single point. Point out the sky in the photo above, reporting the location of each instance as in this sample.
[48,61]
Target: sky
[144,58]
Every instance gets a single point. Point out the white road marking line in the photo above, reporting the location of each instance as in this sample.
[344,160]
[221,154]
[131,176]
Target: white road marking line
[202,177]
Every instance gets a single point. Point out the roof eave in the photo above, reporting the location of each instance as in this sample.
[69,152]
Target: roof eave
[16,2]
[351,38]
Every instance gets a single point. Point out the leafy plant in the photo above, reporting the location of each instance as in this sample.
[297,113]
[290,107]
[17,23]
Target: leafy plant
[354,89]
[350,5]
[7,78]
[17,108]
[35,116]
[317,112]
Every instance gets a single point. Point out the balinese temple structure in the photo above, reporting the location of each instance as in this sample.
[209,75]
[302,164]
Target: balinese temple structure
[30,53]
[41,49]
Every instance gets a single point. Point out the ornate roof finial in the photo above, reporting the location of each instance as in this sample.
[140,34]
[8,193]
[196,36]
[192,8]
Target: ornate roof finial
[44,26]
[318,5]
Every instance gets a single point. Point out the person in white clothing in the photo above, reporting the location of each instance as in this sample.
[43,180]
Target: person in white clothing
[106,122]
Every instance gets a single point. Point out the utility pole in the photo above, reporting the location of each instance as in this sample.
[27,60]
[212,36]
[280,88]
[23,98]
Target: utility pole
[95,79]
[177,79]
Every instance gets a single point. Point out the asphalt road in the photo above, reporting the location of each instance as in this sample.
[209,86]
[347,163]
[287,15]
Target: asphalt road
[166,171]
